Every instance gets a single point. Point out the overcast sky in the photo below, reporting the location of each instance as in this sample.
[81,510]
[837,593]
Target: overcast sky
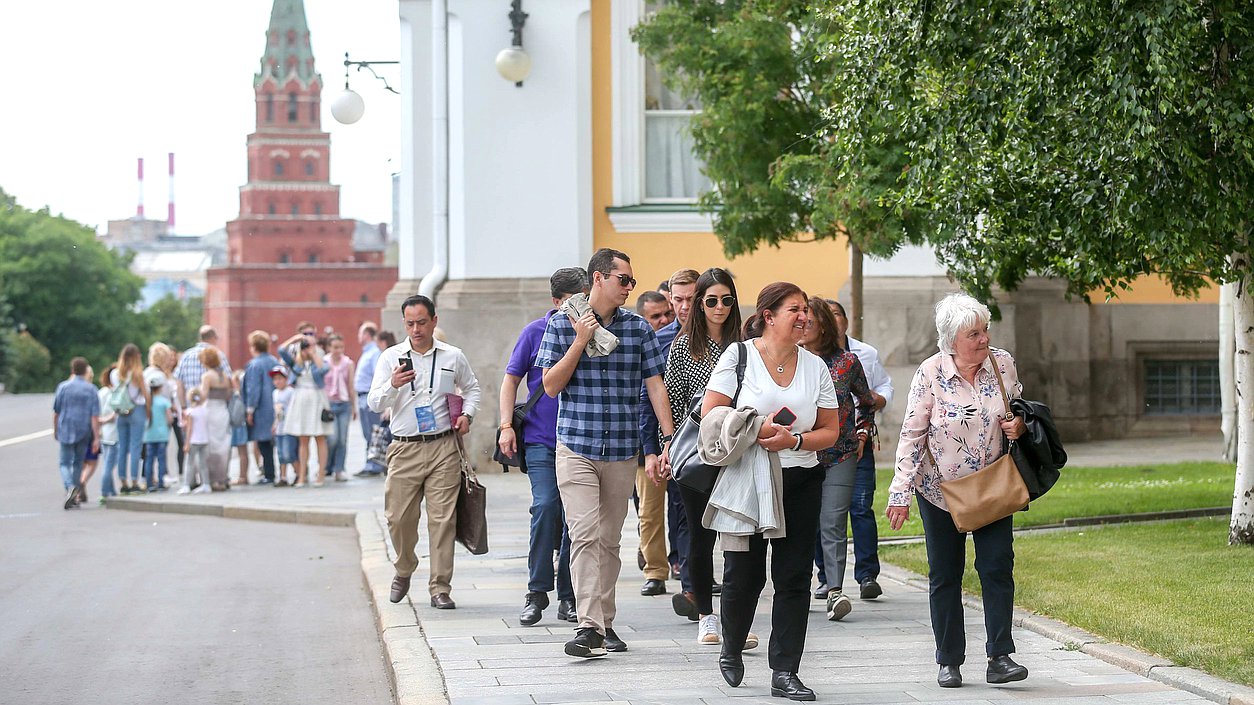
[90,86]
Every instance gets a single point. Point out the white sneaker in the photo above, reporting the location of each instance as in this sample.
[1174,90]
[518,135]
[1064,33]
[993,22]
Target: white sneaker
[203,489]
[184,490]
[707,630]
[838,605]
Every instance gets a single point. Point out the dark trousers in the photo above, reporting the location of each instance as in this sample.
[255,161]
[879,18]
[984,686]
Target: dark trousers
[744,575]
[676,526]
[697,567]
[946,561]
[180,446]
[866,557]
[266,448]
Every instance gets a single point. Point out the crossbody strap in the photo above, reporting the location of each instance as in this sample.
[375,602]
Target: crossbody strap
[533,399]
[741,362]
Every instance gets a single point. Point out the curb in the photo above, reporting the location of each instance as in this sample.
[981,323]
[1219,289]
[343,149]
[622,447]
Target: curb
[279,514]
[1130,659]
[412,666]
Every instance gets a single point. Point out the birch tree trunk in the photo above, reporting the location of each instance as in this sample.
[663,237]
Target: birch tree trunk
[1227,385]
[1241,529]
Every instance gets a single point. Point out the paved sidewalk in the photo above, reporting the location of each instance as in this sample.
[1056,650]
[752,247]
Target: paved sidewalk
[881,653]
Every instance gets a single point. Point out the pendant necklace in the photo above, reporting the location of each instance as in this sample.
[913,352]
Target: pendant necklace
[779,366]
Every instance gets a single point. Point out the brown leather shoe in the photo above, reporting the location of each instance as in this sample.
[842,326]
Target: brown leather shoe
[441,601]
[400,588]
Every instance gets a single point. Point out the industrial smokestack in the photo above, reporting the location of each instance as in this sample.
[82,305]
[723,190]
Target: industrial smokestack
[170,213]
[139,210]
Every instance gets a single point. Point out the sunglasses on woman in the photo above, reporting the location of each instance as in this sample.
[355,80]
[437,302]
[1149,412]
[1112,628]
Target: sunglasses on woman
[727,300]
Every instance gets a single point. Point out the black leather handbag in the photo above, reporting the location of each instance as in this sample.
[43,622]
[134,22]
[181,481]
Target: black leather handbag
[686,466]
[519,422]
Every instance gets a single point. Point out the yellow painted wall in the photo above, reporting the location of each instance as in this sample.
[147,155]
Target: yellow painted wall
[1155,290]
[820,268]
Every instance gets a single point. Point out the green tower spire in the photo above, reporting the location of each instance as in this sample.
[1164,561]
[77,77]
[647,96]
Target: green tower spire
[288,51]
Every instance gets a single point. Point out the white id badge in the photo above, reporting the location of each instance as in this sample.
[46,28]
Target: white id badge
[444,378]
[426,419]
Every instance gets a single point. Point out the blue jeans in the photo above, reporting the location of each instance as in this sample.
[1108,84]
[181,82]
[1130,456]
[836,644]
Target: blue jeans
[130,440]
[866,557]
[548,525]
[286,448]
[72,462]
[154,459]
[109,463]
[337,443]
[368,420]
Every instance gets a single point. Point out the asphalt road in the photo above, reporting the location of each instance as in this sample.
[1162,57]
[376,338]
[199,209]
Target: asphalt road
[102,606]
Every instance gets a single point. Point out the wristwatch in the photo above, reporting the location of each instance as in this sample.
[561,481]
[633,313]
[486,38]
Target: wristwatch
[667,438]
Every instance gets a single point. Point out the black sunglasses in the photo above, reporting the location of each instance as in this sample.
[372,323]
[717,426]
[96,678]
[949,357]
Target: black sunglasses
[727,299]
[624,279]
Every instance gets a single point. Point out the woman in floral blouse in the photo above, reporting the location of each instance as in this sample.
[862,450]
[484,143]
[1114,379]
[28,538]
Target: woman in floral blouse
[953,427]
[823,338]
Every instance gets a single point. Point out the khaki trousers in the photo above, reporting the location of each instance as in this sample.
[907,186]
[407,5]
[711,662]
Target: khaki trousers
[417,471]
[595,494]
[652,527]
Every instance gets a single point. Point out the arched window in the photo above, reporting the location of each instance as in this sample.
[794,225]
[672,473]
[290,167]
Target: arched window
[313,112]
[278,168]
[317,209]
[324,299]
[309,168]
[269,107]
[291,107]
[285,258]
[272,209]
[313,259]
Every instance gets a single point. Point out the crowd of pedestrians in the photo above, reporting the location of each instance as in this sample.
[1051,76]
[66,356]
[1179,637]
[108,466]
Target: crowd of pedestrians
[193,406]
[785,403]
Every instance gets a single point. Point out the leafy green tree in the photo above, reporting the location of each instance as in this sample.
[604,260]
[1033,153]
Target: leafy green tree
[1089,140]
[173,322]
[31,369]
[70,292]
[763,78]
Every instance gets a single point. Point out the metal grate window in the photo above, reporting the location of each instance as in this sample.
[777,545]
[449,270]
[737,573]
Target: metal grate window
[1182,387]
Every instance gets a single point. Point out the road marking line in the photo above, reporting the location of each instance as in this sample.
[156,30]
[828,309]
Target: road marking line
[28,437]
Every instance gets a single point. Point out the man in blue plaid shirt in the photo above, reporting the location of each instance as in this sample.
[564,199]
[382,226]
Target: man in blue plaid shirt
[598,436]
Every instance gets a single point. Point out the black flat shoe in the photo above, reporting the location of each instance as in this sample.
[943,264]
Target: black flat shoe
[1002,670]
[788,685]
[566,611]
[732,666]
[949,677]
[653,587]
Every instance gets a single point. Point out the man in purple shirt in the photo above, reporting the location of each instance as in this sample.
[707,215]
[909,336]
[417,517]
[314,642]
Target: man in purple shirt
[539,448]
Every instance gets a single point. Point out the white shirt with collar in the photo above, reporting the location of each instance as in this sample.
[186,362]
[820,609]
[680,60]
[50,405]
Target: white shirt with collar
[403,401]
[876,376]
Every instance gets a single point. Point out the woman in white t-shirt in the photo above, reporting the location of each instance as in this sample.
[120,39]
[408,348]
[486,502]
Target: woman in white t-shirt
[778,374]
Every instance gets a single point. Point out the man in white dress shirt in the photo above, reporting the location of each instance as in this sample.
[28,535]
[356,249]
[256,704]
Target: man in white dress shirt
[414,379]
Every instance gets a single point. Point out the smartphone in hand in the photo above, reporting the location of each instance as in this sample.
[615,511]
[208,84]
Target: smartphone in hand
[406,364]
[785,417]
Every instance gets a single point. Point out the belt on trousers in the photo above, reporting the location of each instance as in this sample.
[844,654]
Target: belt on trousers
[423,439]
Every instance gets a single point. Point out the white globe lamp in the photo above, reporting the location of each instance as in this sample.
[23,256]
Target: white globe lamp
[513,64]
[347,107]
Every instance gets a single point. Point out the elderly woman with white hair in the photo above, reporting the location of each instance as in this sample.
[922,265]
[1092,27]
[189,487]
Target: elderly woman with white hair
[954,427]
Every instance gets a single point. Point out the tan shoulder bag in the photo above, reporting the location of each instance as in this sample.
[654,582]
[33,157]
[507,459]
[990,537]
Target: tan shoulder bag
[993,492]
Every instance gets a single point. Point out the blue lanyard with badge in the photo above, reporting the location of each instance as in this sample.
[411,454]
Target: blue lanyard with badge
[424,414]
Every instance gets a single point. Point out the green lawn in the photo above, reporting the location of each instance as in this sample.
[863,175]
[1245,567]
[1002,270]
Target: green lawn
[1172,588]
[1083,492]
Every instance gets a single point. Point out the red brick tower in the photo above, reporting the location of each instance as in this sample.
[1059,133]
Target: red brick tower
[290,256]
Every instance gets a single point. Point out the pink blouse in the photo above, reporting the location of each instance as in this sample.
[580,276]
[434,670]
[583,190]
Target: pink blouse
[337,378]
[959,421]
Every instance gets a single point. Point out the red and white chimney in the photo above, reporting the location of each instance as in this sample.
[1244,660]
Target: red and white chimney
[139,210]
[170,213]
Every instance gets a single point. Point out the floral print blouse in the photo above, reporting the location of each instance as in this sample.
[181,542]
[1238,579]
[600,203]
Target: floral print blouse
[959,422]
[852,391]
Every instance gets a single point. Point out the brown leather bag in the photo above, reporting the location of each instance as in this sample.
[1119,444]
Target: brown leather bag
[993,492]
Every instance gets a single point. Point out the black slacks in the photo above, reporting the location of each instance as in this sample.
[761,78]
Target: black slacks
[792,560]
[699,561]
[947,560]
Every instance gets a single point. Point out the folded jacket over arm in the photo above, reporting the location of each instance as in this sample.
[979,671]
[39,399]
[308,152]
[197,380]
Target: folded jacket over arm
[747,498]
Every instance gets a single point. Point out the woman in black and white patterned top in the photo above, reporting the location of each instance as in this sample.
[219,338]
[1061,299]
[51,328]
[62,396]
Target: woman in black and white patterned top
[713,325]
